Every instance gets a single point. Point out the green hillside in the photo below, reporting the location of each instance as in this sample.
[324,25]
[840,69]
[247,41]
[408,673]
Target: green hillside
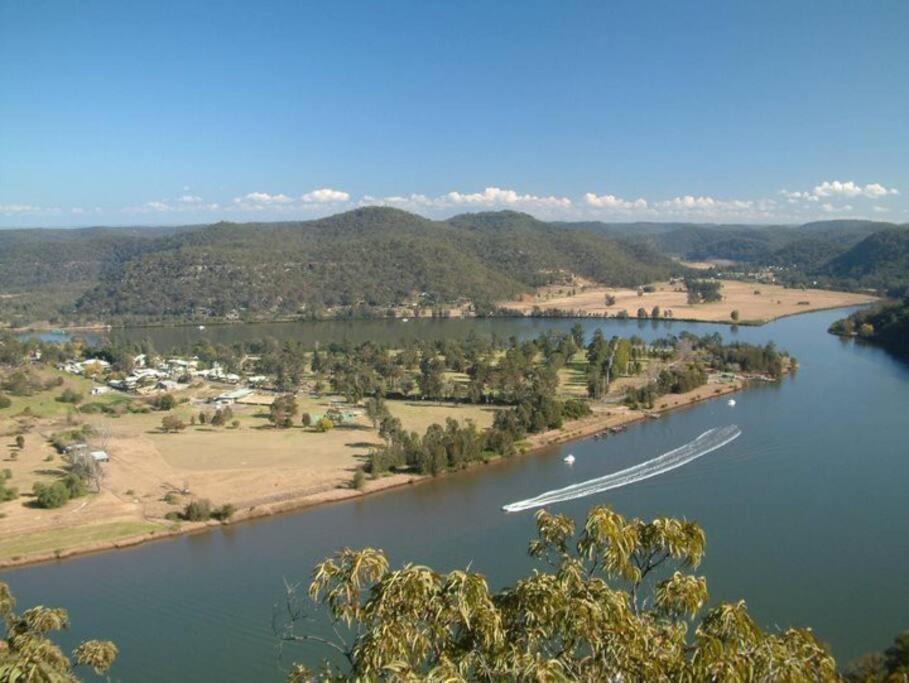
[368,258]
[880,261]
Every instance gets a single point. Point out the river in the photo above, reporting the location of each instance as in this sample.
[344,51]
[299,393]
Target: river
[806,518]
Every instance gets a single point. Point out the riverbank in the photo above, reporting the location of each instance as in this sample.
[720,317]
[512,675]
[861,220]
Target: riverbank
[605,417]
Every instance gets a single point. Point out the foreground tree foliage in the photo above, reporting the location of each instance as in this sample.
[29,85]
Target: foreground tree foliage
[614,602]
[28,654]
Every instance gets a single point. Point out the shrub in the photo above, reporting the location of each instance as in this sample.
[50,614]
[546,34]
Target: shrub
[51,495]
[165,402]
[7,492]
[224,512]
[306,419]
[197,510]
[324,424]
[172,423]
[69,396]
[20,441]
[359,480]
[75,485]
[5,401]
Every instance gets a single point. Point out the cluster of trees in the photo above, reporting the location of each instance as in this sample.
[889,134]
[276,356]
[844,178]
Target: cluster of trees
[441,448]
[703,291]
[676,380]
[455,445]
[25,382]
[499,370]
[59,493]
[616,600]
[700,353]
[735,357]
[202,510]
[886,325]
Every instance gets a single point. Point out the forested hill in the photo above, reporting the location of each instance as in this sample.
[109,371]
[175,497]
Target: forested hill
[32,259]
[765,245]
[880,260]
[366,258]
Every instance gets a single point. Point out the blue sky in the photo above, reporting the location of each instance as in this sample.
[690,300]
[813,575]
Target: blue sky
[125,113]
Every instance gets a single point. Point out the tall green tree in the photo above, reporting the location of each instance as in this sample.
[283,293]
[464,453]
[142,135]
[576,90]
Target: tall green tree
[615,601]
[28,654]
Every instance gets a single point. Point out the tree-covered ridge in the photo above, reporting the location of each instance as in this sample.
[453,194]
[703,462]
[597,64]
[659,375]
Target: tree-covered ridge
[362,262]
[39,259]
[886,325]
[367,258]
[847,254]
[880,261]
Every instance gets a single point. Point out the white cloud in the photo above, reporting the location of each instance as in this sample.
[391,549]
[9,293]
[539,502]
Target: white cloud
[490,197]
[325,195]
[610,201]
[827,207]
[849,189]
[14,209]
[827,197]
[186,203]
[262,200]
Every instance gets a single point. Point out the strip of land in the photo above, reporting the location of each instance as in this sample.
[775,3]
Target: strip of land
[755,303]
[260,470]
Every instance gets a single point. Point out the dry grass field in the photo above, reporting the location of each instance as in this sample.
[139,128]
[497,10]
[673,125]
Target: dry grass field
[756,303]
[248,465]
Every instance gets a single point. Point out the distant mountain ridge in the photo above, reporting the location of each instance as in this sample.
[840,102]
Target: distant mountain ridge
[372,257]
[377,257]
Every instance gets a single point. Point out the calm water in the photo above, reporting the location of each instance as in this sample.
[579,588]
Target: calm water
[805,514]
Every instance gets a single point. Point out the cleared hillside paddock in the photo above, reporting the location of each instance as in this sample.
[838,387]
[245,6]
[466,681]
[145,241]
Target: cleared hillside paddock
[756,303]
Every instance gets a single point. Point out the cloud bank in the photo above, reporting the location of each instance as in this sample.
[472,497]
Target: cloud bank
[841,197]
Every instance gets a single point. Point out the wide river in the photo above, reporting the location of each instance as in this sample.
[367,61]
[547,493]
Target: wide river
[806,515]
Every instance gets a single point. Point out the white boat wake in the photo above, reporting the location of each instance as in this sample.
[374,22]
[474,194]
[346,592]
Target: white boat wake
[707,442]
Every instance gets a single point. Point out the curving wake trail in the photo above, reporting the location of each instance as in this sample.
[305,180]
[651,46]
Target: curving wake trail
[707,442]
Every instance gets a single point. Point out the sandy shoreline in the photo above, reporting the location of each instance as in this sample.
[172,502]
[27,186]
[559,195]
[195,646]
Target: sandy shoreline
[604,417]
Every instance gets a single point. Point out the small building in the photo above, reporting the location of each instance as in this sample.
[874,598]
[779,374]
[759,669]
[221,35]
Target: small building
[233,396]
[76,449]
[100,456]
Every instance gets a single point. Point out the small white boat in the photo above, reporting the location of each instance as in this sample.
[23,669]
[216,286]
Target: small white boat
[569,459]
[201,327]
[404,320]
[731,403]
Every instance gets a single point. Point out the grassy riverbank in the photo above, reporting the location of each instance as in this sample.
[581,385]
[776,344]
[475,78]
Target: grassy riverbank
[84,531]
